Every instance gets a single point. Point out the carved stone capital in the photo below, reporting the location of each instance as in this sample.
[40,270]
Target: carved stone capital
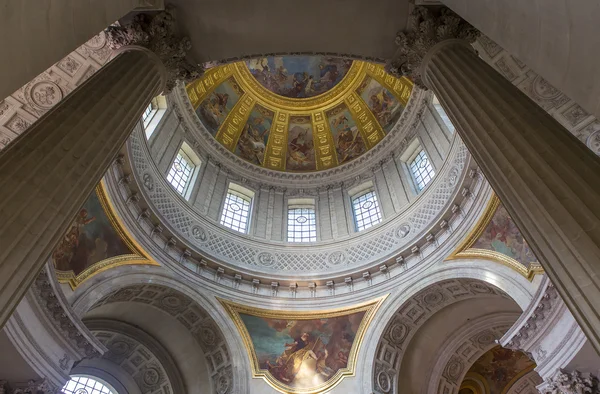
[571,383]
[427,27]
[157,33]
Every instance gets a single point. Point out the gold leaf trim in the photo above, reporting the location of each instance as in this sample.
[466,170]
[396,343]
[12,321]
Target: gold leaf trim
[234,309]
[140,257]
[464,250]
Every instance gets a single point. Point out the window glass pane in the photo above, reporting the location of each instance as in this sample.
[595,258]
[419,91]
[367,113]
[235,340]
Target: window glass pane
[366,210]
[301,225]
[236,211]
[422,170]
[180,173]
[85,385]
[440,110]
[147,113]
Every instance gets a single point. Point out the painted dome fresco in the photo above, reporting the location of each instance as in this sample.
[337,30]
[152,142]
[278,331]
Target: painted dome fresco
[299,113]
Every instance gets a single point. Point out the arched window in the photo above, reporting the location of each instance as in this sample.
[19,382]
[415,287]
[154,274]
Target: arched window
[237,208]
[440,110]
[366,210]
[80,384]
[153,114]
[183,170]
[421,169]
[301,221]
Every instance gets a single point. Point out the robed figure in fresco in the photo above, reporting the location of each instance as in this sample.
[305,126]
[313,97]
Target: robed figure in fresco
[303,363]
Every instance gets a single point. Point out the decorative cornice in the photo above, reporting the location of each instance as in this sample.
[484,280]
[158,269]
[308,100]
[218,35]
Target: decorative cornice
[54,310]
[427,27]
[537,318]
[158,34]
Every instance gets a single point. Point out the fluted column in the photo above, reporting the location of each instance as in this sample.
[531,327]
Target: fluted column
[47,173]
[547,180]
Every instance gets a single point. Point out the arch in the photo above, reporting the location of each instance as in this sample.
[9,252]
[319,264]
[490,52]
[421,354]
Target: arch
[194,310]
[499,279]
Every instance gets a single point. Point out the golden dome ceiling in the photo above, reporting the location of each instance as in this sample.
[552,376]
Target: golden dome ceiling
[299,113]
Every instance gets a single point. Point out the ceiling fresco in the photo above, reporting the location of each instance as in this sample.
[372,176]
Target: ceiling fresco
[302,352]
[94,242]
[496,237]
[496,371]
[299,113]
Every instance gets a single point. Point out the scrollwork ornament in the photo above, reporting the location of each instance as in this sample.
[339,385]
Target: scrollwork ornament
[428,27]
[384,382]
[266,259]
[158,34]
[148,181]
[199,234]
[403,230]
[337,258]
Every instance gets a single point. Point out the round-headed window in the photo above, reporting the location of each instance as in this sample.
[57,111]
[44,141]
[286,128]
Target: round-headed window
[80,384]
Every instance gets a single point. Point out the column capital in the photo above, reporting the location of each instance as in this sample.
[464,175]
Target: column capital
[570,383]
[426,28]
[157,33]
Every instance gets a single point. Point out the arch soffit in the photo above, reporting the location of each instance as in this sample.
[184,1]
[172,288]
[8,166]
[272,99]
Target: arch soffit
[498,278]
[171,295]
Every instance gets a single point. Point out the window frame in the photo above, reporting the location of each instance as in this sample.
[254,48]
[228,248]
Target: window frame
[358,227]
[158,106]
[441,113]
[430,173]
[302,204]
[243,193]
[93,390]
[192,159]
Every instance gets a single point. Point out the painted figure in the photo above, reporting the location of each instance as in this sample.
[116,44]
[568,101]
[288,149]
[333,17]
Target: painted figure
[348,141]
[299,76]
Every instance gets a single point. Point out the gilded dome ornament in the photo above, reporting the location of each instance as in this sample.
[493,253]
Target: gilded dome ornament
[299,113]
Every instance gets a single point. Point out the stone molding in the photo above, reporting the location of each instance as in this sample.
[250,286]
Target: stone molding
[158,33]
[572,382]
[463,348]
[427,27]
[567,112]
[139,354]
[200,324]
[144,229]
[54,305]
[206,237]
[410,317]
[30,387]
[22,108]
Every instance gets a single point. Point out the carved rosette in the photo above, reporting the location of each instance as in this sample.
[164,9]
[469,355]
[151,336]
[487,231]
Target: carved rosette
[158,34]
[427,27]
[31,387]
[571,383]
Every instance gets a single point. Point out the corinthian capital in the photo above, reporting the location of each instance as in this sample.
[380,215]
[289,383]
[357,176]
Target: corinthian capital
[158,34]
[571,383]
[427,27]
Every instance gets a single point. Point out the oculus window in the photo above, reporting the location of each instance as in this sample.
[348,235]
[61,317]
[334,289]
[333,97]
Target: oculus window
[183,170]
[86,385]
[301,221]
[236,209]
[440,110]
[366,210]
[421,169]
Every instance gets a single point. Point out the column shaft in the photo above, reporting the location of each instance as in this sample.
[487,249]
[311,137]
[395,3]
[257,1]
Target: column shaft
[47,173]
[547,180]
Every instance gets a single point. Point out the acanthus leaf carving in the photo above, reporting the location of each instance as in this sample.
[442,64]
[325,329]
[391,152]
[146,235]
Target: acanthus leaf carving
[157,33]
[427,28]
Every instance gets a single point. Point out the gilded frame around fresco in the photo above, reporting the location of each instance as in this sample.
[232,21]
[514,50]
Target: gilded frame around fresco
[464,250]
[254,94]
[234,309]
[139,258]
